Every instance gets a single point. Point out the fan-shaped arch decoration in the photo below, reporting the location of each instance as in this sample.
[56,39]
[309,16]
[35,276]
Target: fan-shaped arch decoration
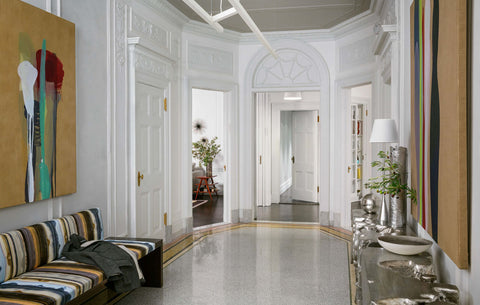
[292,67]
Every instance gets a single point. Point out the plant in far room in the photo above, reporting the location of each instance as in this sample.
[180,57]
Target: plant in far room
[199,126]
[388,183]
[205,151]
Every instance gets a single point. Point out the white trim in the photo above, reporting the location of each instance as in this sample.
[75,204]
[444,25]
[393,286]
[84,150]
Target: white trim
[111,188]
[59,8]
[131,147]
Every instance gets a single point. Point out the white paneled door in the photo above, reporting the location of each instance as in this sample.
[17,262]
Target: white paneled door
[305,131]
[149,133]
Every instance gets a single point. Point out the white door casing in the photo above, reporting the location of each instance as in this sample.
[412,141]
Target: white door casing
[149,131]
[305,155]
[264,160]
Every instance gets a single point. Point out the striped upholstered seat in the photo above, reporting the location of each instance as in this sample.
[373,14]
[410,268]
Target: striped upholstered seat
[140,248]
[31,270]
[57,282]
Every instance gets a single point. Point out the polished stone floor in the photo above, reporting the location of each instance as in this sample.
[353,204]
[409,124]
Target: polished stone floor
[255,265]
[289,212]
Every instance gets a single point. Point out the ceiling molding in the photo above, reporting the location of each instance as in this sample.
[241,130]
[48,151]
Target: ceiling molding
[167,10]
[197,27]
[387,33]
[366,19]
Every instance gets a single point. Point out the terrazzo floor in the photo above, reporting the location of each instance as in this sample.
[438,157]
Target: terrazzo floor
[256,265]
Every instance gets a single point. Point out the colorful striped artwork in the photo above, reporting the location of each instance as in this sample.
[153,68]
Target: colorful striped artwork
[37,127]
[439,123]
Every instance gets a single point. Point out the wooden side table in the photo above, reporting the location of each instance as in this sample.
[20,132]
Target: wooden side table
[204,181]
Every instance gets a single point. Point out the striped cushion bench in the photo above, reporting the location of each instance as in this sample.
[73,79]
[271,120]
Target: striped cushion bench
[33,272]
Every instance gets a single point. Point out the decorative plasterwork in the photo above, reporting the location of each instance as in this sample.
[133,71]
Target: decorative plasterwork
[385,34]
[144,28]
[120,31]
[167,10]
[176,50]
[149,64]
[207,59]
[388,14]
[386,65]
[293,68]
[356,54]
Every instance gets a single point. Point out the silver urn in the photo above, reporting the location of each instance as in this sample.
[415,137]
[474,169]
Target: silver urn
[369,203]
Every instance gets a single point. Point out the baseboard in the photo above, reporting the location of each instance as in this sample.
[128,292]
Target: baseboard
[246,215]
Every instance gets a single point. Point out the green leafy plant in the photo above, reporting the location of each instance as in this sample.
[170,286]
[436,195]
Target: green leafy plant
[389,182]
[206,150]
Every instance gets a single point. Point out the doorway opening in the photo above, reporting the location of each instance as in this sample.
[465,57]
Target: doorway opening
[360,98]
[208,157]
[288,147]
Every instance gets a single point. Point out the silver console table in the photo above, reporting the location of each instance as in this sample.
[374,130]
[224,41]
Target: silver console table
[384,278]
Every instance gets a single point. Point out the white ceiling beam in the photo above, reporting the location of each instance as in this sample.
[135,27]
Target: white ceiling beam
[203,14]
[251,24]
[225,14]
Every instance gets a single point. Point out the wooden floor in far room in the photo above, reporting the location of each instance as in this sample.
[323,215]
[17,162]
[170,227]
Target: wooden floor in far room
[208,213]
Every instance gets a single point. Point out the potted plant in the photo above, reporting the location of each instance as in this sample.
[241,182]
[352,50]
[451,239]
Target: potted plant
[389,183]
[205,151]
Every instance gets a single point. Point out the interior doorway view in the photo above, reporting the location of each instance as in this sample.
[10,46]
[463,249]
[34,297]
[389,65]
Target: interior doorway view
[208,157]
[292,158]
[360,99]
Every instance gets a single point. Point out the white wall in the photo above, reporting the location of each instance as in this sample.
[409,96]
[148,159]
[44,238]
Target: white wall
[286,153]
[91,56]
[207,106]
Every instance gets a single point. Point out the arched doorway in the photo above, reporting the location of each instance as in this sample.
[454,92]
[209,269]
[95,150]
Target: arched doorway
[300,67]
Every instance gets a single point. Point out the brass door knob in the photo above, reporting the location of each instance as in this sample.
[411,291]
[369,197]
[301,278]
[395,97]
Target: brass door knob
[349,168]
[139,177]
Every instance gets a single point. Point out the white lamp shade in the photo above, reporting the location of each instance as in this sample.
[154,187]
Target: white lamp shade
[292,96]
[384,131]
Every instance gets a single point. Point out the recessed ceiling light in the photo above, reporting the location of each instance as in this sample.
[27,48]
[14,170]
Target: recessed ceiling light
[292,96]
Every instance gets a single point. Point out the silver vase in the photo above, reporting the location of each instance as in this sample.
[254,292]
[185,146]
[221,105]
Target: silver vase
[398,204]
[383,218]
[398,211]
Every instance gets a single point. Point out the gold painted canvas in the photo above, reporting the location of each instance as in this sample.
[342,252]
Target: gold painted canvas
[37,105]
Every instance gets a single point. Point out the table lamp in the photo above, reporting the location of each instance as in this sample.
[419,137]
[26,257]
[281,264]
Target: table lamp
[384,131]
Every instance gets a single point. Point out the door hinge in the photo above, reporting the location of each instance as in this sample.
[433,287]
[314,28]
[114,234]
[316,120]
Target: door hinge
[165,104]
[293,159]
[165,218]
[366,112]
[260,159]
[318,189]
[318,118]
